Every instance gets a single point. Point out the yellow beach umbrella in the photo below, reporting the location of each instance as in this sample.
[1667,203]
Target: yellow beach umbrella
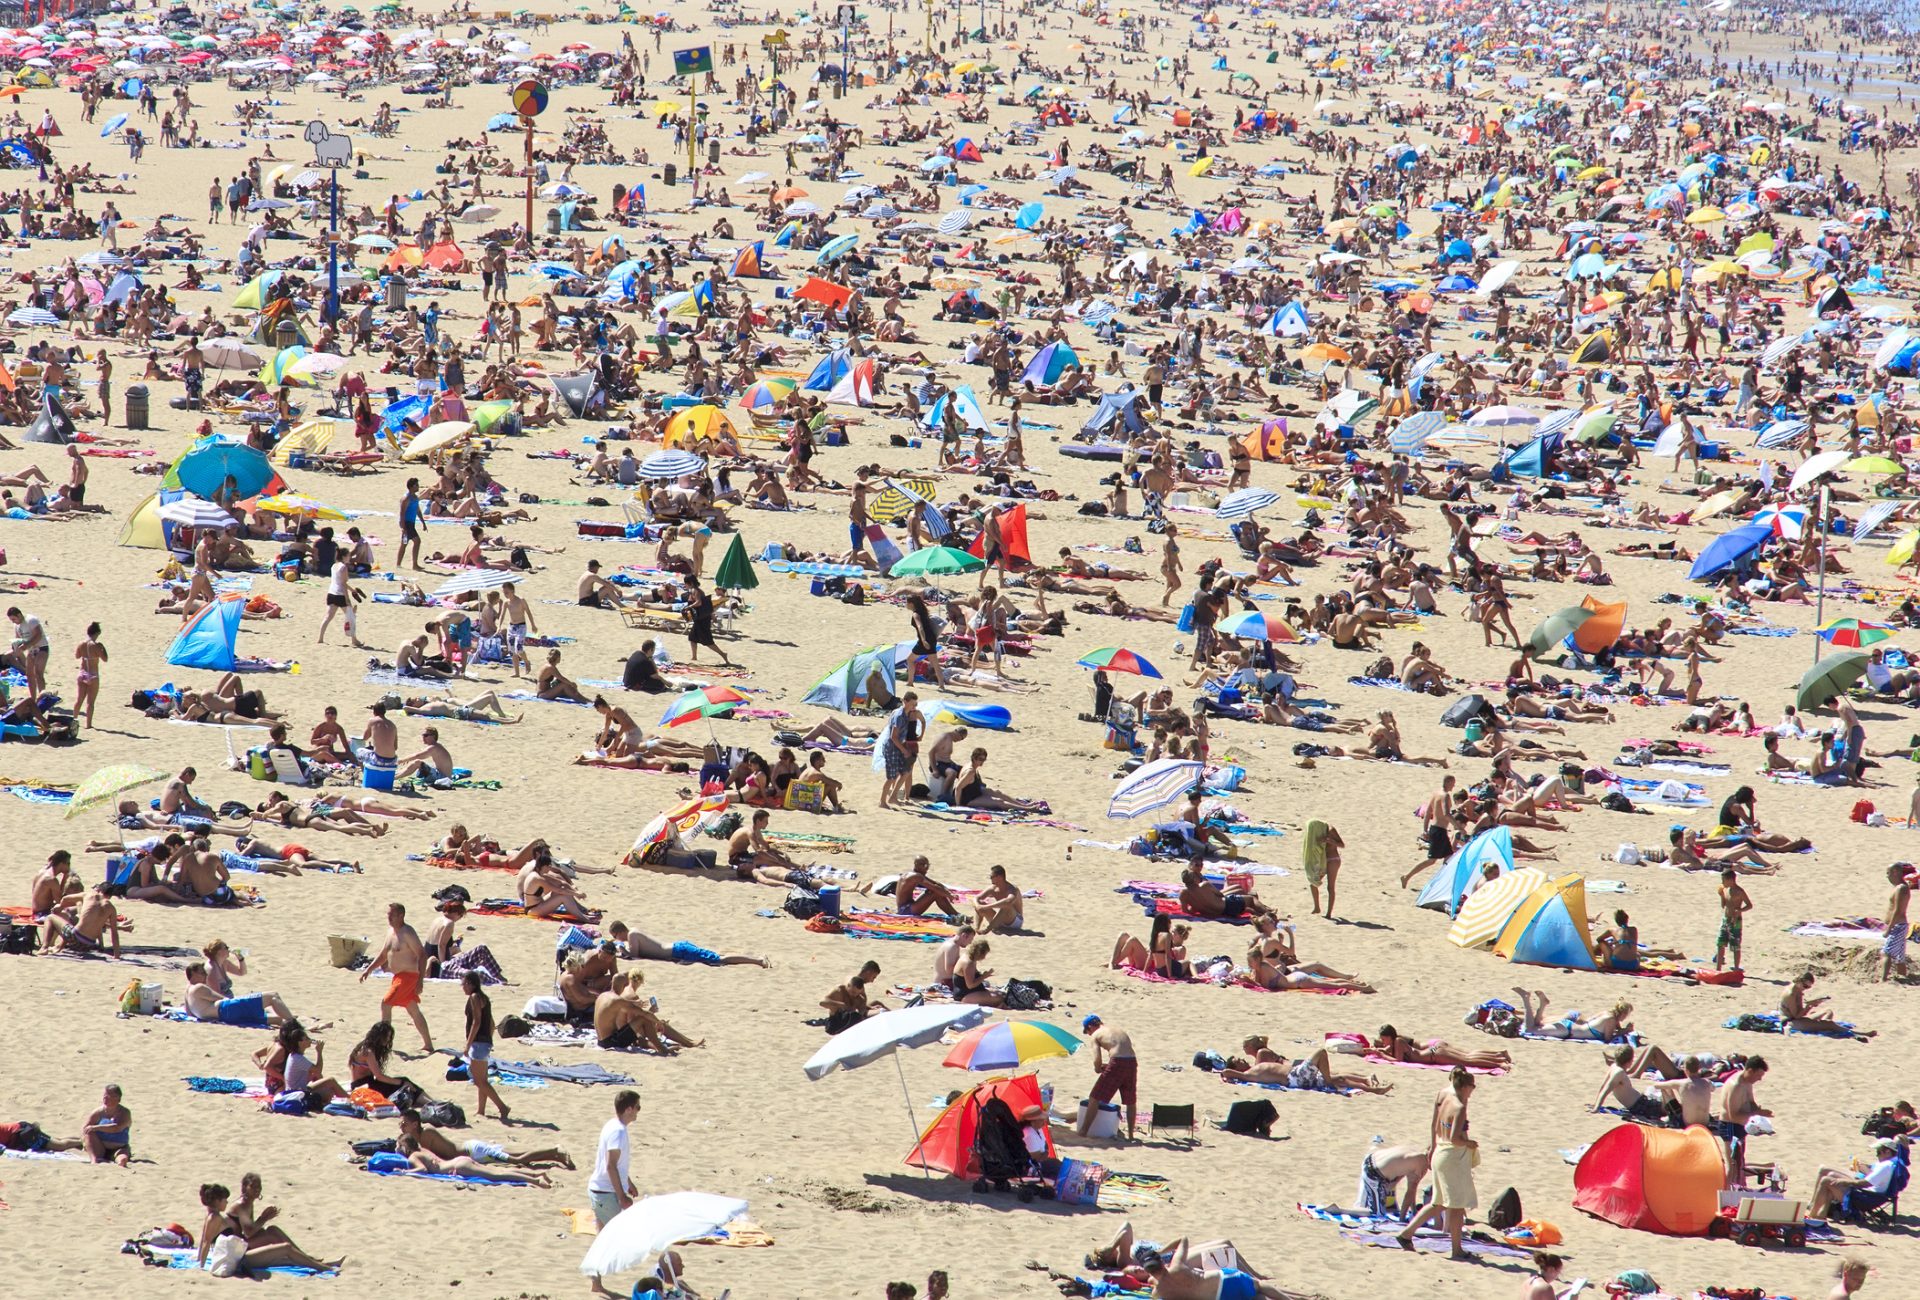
[436,436]
[1705,216]
[1716,504]
[1758,242]
[1874,465]
[1202,167]
[1902,550]
[293,503]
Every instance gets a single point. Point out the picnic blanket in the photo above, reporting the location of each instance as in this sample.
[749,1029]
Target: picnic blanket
[187,1257]
[1769,1022]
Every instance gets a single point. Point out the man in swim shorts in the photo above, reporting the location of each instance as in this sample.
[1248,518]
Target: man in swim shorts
[406,956]
[639,947]
[1179,1275]
[1116,1073]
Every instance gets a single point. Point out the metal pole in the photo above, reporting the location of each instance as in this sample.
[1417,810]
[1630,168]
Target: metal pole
[333,250]
[904,1092]
[693,120]
[1820,600]
[528,122]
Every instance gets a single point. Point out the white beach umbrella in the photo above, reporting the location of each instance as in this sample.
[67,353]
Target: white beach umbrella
[654,1224]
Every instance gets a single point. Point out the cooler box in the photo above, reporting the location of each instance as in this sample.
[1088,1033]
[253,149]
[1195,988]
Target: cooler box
[377,775]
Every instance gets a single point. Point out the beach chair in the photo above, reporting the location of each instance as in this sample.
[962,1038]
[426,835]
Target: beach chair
[1174,1117]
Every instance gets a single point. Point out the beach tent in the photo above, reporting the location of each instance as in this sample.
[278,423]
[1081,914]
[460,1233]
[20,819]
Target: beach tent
[1049,363]
[1269,441]
[446,256]
[577,391]
[747,263]
[947,1143]
[1596,348]
[1121,410]
[851,683]
[696,425]
[1013,537]
[855,388]
[1455,878]
[967,406]
[833,367]
[1653,1179]
[206,640]
[1549,928]
[1603,629]
[1533,458]
[1485,912]
[1289,321]
[145,528]
[53,425]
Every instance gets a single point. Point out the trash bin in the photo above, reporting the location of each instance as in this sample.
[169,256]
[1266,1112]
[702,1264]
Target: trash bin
[553,221]
[396,293]
[713,152]
[137,407]
[670,175]
[286,334]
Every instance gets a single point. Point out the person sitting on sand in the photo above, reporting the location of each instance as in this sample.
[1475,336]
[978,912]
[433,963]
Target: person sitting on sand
[1000,907]
[1390,1044]
[1624,1065]
[547,893]
[438,1144]
[431,763]
[623,1021]
[1201,897]
[255,1011]
[94,930]
[970,978]
[552,684]
[293,1063]
[265,1249]
[1620,948]
[917,893]
[850,1003]
[108,1132]
[1801,1015]
[55,888]
[1609,1028]
[1272,963]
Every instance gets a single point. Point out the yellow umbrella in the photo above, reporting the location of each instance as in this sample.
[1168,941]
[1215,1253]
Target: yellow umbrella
[1590,172]
[1714,270]
[1705,216]
[435,436]
[292,503]
[1903,549]
[1201,167]
[1758,242]
[1875,465]
[966,66]
[1715,504]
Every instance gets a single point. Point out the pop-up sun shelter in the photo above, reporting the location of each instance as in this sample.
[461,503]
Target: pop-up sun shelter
[1653,1179]
[947,1143]
[1458,874]
[1549,928]
[206,640]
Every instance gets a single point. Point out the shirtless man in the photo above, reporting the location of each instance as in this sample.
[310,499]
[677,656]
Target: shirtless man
[1392,1178]
[54,888]
[949,953]
[198,875]
[1311,1072]
[130,816]
[178,798]
[749,851]
[518,616]
[1179,1274]
[432,761]
[1116,1073]
[1693,1091]
[595,592]
[1737,1106]
[591,976]
[480,1150]
[623,1020]
[406,957]
[1000,907]
[917,893]
[850,1003]
[97,927]
[1624,1066]
[381,736]
[1893,944]
[1801,1013]
[1201,897]
[639,947]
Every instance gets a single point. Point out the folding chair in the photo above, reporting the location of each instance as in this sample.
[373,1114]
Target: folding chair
[1175,1117]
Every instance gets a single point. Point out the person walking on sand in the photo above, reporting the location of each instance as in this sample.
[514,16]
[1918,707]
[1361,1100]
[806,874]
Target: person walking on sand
[610,1184]
[406,957]
[92,657]
[1735,903]
[1320,853]
[410,521]
[1893,946]
[340,598]
[1453,1157]
[479,1050]
[1116,1073]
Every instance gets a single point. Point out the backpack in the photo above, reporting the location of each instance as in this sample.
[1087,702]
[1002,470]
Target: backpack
[1505,1211]
[514,1027]
[1251,1118]
[452,893]
[18,940]
[1884,1123]
[289,1103]
[1862,810]
[1614,801]
[375,1146]
[1026,995]
[802,904]
[443,1114]
[1464,710]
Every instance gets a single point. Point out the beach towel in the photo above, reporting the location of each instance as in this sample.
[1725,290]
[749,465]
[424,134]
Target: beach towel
[1383,683]
[185,1257]
[1346,1218]
[467,1179]
[1857,929]
[1768,1022]
[1432,1241]
[1285,1087]
[1313,852]
[1238,980]
[40,794]
[1120,1191]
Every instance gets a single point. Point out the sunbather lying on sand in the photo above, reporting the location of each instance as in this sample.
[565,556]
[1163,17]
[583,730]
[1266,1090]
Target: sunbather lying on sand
[1311,1073]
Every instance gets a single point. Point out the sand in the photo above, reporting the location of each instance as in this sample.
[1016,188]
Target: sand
[821,1163]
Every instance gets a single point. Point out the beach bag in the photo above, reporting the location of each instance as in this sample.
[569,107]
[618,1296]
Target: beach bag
[802,904]
[1862,809]
[514,1027]
[453,893]
[1883,1123]
[389,1162]
[1251,1118]
[223,1259]
[1026,995]
[443,1114]
[19,940]
[1627,855]
[1504,1213]
[289,1103]
[1614,801]
[375,1147]
[1078,1182]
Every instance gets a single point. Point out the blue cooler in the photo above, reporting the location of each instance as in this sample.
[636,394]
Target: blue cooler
[829,900]
[377,775]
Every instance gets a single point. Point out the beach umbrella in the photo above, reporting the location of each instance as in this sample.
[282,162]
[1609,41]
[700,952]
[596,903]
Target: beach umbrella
[114,123]
[1852,633]
[230,353]
[650,1226]
[1009,1045]
[1119,659]
[665,465]
[885,1034]
[192,512]
[1874,465]
[253,293]
[436,436]
[1785,521]
[32,316]
[1824,463]
[1154,785]
[835,249]
[1245,502]
[1409,437]
[1828,678]
[315,365]
[936,561]
[110,782]
[1593,426]
[1323,354]
[292,503]
[1556,627]
[767,392]
[736,570]
[1255,625]
[707,702]
[1727,550]
[205,468]
[477,580]
[1717,504]
[1502,417]
[1903,547]
[900,498]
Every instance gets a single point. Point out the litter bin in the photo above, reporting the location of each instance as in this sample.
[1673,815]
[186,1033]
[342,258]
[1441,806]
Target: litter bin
[670,175]
[713,152]
[553,221]
[396,293]
[287,333]
[137,407]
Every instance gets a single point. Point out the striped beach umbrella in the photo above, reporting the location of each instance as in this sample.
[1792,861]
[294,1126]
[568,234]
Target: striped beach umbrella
[1119,659]
[1009,1045]
[671,464]
[707,702]
[1786,521]
[476,580]
[1487,909]
[1852,633]
[1255,625]
[1154,785]
[900,498]
[766,393]
[1409,437]
[1246,502]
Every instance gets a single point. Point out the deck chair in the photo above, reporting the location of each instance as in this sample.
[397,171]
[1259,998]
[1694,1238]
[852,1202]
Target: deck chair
[1174,1117]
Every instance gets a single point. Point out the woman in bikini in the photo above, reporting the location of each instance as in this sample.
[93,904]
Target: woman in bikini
[274,1249]
[970,790]
[1577,1027]
[1273,964]
[969,981]
[92,656]
[1389,1043]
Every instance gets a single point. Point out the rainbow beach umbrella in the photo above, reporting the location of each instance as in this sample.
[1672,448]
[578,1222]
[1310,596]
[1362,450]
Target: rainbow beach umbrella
[1119,659]
[767,393]
[707,702]
[1852,633]
[1256,626]
[1009,1045]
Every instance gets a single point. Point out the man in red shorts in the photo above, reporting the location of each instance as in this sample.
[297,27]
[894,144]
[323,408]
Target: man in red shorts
[1116,1073]
[406,957]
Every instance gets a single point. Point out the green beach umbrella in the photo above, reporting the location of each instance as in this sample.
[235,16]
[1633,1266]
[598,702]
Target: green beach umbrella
[936,561]
[1556,627]
[1829,678]
[736,570]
